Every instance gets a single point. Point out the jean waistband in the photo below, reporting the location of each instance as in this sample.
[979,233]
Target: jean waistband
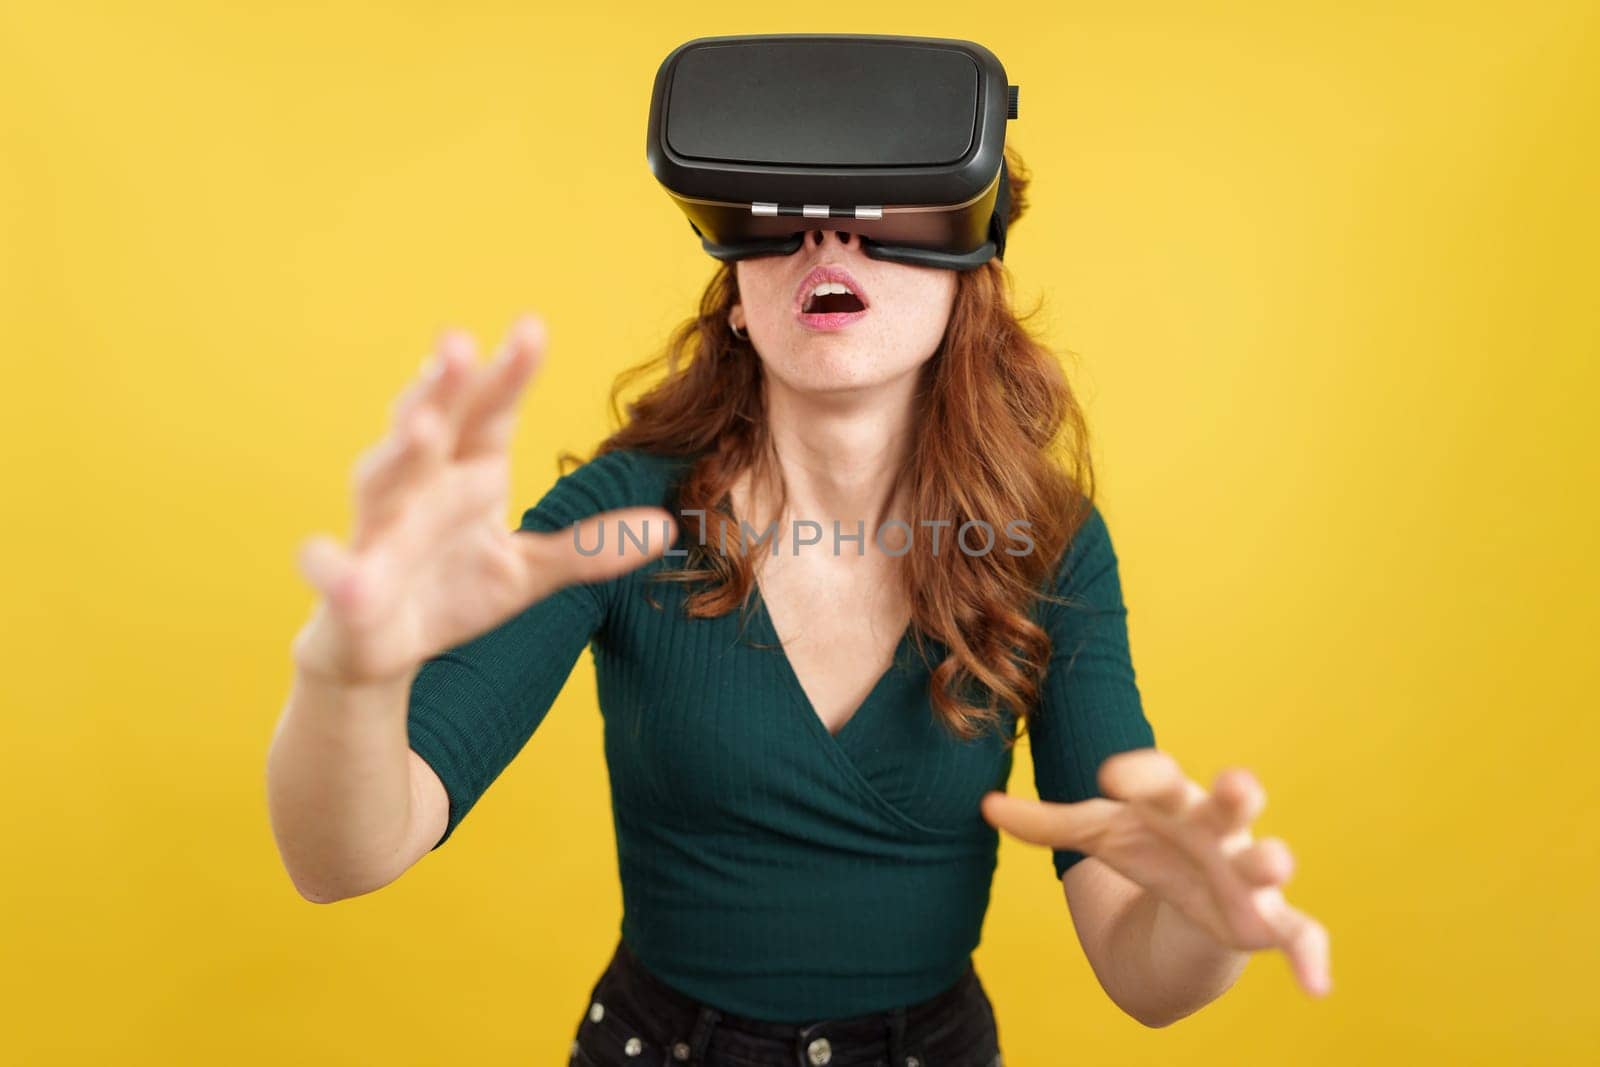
[865,1027]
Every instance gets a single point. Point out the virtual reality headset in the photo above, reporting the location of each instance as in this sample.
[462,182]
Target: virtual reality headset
[898,140]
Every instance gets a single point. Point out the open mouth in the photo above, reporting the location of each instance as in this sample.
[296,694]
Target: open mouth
[830,298]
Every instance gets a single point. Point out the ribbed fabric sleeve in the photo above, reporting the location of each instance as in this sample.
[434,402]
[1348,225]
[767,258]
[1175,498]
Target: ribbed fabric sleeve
[1090,708]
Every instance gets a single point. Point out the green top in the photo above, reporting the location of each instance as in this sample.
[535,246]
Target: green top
[770,868]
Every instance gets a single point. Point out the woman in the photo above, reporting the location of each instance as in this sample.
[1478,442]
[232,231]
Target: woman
[887,565]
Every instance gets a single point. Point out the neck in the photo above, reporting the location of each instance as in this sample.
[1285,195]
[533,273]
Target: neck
[840,456]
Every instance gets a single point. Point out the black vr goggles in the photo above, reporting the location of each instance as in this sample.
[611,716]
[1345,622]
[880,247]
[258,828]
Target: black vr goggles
[899,140]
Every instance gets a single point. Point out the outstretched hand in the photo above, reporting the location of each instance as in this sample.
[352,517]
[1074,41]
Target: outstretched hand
[1190,848]
[430,563]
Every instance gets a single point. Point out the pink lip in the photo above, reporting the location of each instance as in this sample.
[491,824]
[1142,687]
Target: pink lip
[836,319]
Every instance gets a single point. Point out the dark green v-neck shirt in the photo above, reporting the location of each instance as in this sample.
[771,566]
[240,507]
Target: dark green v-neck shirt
[770,868]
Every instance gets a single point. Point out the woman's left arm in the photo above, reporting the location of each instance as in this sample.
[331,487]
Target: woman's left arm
[1167,887]
[1173,892]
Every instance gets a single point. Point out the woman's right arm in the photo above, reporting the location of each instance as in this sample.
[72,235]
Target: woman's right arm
[430,567]
[352,806]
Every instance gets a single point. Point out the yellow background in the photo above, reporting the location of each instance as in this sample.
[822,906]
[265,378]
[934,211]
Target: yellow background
[1328,276]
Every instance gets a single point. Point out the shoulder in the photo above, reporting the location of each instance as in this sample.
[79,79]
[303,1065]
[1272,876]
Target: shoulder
[1085,575]
[618,479]
[1088,550]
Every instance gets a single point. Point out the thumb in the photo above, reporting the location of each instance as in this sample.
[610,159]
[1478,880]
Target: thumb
[597,548]
[325,565]
[1046,822]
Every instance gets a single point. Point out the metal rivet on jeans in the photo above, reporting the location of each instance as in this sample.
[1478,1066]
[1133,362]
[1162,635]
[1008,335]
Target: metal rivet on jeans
[819,1051]
[597,1011]
[680,1051]
[633,1046]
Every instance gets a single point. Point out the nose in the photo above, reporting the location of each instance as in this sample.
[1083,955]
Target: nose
[822,238]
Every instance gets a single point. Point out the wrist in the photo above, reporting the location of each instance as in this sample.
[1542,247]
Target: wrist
[314,669]
[318,665]
[313,676]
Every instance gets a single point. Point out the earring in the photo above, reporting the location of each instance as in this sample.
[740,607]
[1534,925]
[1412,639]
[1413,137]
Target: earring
[737,332]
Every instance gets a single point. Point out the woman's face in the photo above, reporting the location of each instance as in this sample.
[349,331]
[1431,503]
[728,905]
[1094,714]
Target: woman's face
[907,310]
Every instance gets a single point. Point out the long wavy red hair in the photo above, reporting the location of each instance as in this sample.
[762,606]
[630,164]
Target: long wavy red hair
[1002,437]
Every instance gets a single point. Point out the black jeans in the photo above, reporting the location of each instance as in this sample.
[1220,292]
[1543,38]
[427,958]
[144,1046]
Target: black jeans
[634,1019]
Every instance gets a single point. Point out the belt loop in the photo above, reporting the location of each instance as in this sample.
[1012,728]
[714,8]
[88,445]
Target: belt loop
[897,1037]
[704,1023]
